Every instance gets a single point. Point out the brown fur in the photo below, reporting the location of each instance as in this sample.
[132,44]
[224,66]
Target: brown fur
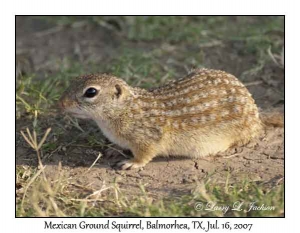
[202,114]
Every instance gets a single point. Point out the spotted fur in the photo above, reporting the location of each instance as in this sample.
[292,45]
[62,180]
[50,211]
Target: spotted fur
[202,114]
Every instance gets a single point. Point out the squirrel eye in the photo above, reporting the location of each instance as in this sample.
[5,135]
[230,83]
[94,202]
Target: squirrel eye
[91,92]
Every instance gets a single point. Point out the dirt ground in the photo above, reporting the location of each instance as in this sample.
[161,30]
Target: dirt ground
[261,161]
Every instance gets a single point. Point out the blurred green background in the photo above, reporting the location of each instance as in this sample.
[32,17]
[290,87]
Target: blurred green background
[144,50]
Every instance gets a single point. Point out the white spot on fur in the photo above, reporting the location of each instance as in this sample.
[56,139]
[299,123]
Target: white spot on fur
[223,92]
[223,100]
[177,113]
[195,97]
[224,113]
[184,109]
[203,119]
[175,125]
[212,117]
[199,107]
[207,104]
[231,99]
[213,103]
[243,100]
[155,112]
[194,120]
[203,94]
[237,109]
[215,82]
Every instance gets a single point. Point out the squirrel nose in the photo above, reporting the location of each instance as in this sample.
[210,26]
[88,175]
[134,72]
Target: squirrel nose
[60,104]
[63,103]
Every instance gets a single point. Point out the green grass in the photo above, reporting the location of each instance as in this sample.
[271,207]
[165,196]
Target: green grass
[153,66]
[257,32]
[60,198]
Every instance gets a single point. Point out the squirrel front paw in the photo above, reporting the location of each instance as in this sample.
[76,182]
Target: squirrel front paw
[129,164]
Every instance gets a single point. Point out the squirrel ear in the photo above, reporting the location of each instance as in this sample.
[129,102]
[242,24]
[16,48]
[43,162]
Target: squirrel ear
[118,91]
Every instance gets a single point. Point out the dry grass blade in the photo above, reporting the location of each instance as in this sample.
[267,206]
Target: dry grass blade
[32,141]
[95,195]
[27,140]
[276,57]
[254,83]
[117,191]
[75,123]
[28,185]
[99,156]
[202,191]
[58,212]
[30,137]
[35,139]
[44,138]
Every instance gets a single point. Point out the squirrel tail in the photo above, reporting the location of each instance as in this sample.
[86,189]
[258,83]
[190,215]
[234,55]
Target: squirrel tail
[275,119]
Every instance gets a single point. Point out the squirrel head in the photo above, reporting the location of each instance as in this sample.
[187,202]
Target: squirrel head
[94,96]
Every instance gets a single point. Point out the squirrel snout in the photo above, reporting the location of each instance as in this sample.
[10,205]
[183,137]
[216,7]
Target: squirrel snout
[63,103]
[66,103]
[60,105]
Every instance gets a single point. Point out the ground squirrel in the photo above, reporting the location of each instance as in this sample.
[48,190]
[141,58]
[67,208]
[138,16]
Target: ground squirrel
[204,113]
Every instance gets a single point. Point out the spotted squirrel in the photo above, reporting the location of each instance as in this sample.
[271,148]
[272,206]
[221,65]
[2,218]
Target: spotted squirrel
[204,113]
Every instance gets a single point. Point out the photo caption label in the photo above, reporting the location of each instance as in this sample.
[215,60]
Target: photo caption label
[121,226]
